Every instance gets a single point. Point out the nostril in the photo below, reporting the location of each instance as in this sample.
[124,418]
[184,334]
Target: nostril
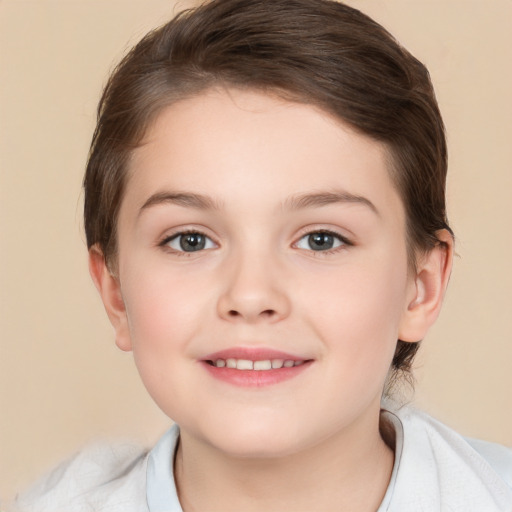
[267,313]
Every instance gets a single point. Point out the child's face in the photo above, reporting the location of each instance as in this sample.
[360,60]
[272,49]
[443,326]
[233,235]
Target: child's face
[253,177]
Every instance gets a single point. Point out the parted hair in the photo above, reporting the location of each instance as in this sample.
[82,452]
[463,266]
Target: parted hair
[317,52]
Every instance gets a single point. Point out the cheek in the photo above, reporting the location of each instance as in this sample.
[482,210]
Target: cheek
[165,313]
[356,310]
[164,310]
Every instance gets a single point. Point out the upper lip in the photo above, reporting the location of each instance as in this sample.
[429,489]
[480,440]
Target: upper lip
[252,354]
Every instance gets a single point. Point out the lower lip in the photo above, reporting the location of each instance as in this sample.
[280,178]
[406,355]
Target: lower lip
[255,378]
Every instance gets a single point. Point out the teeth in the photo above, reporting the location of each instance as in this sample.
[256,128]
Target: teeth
[246,364]
[262,365]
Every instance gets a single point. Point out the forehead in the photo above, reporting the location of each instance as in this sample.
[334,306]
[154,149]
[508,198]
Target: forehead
[251,148]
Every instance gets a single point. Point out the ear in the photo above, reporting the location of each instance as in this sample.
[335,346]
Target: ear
[427,289]
[108,286]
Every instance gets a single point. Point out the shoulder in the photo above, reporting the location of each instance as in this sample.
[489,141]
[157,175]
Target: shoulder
[497,456]
[102,477]
[492,456]
[439,469]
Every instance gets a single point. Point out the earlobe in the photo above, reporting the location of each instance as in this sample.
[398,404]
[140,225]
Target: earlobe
[109,289]
[427,290]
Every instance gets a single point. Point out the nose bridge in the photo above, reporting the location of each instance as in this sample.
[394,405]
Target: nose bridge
[254,289]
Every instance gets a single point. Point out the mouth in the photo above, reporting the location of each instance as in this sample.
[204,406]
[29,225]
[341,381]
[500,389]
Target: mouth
[254,367]
[259,365]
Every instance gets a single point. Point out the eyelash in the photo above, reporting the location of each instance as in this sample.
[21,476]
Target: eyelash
[164,243]
[345,242]
[343,245]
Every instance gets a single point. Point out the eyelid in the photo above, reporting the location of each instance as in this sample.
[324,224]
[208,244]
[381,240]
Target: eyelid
[345,242]
[176,233]
[180,231]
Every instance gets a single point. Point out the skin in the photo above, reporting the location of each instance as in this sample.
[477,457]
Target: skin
[311,442]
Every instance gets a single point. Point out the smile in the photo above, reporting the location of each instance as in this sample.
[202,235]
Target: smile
[254,367]
[262,365]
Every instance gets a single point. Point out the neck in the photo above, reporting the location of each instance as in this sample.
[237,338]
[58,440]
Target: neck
[346,472]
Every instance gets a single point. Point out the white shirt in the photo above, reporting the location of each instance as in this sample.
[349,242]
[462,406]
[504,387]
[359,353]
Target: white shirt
[435,470]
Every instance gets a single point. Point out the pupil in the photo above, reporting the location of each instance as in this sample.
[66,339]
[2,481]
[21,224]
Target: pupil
[192,242]
[321,241]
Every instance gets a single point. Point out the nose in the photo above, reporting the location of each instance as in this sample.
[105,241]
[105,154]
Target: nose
[254,291]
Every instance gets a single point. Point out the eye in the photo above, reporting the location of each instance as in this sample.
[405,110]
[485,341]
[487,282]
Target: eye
[189,242]
[321,241]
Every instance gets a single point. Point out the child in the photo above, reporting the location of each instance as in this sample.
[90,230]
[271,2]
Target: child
[265,216]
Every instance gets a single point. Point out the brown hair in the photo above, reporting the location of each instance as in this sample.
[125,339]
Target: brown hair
[318,52]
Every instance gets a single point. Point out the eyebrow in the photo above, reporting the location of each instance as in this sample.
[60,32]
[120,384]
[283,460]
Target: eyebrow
[319,199]
[186,199]
[298,202]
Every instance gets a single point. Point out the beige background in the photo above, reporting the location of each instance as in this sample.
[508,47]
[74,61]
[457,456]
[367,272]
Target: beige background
[62,380]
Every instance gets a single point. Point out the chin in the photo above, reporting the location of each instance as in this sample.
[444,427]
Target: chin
[256,447]
[255,439]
